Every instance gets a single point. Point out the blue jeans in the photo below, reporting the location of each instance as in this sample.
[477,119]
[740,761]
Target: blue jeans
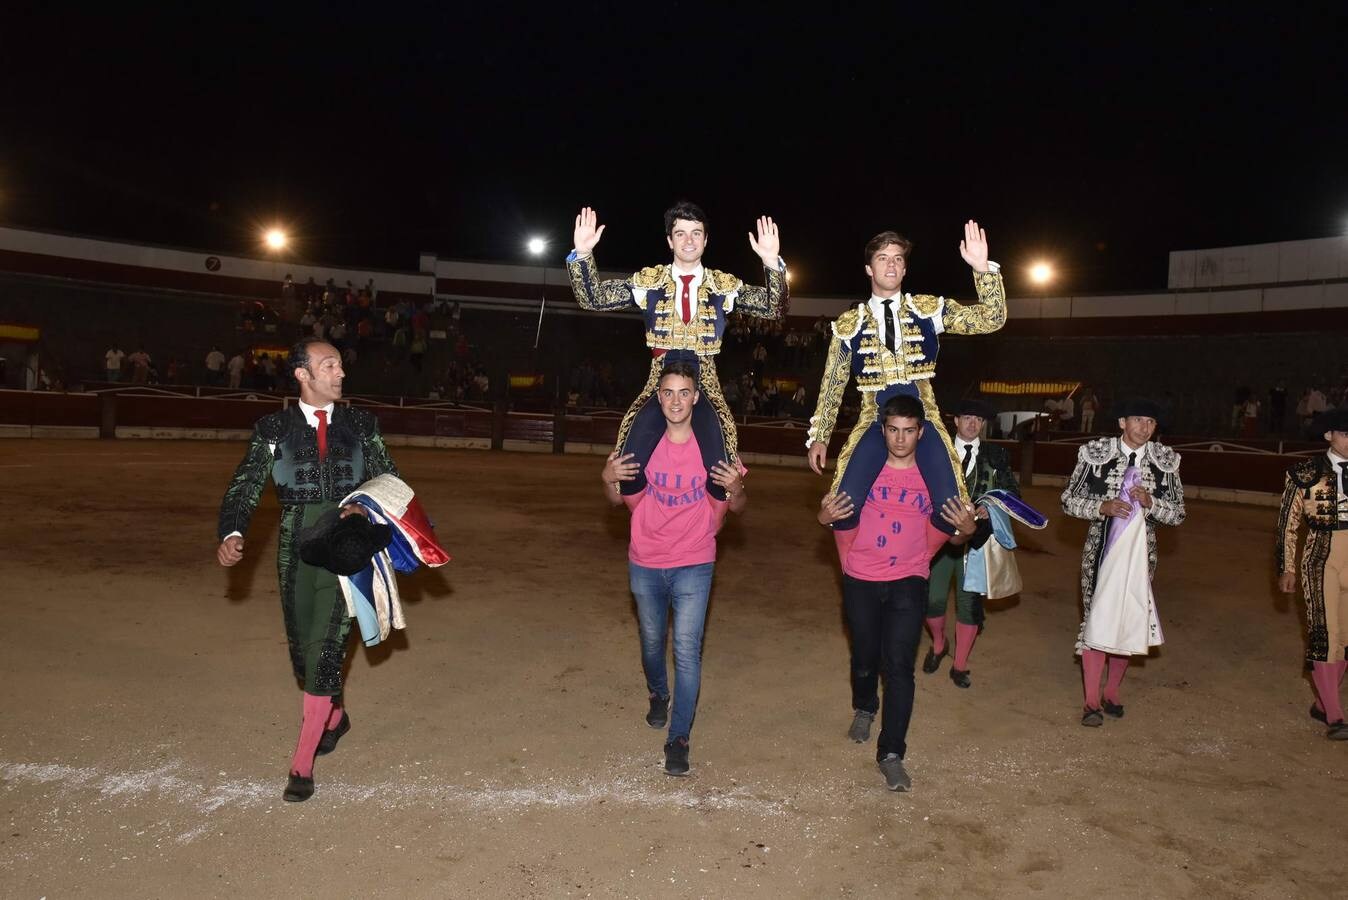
[685,589]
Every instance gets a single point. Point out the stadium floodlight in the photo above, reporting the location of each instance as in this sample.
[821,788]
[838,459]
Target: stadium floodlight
[537,245]
[1041,273]
[276,239]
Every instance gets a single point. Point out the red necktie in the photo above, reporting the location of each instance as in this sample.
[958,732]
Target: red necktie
[687,299]
[322,416]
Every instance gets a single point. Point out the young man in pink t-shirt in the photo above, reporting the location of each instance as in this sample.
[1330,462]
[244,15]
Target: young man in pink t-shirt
[672,553]
[886,560]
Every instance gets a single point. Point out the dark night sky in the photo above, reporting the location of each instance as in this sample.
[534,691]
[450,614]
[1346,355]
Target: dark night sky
[1101,140]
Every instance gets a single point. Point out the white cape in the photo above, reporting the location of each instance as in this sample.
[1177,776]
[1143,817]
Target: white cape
[1122,618]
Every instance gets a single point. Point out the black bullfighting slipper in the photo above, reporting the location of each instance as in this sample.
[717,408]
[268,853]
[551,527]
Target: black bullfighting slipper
[1318,714]
[1113,709]
[1337,731]
[960,677]
[298,789]
[1092,718]
[328,742]
[933,659]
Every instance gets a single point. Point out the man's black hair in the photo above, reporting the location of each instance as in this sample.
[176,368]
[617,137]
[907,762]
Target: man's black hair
[902,405]
[299,355]
[684,210]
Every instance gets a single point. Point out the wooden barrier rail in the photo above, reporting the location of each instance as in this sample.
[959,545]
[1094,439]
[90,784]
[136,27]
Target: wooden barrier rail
[23,413]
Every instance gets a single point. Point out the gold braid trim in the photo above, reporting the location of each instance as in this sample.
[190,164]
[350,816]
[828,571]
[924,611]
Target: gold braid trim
[987,316]
[710,385]
[837,370]
[869,412]
[652,383]
[933,414]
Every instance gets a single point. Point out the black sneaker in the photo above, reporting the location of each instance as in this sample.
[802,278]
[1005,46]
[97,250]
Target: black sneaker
[676,757]
[658,717]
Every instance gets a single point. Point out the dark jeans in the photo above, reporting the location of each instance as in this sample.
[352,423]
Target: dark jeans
[885,618]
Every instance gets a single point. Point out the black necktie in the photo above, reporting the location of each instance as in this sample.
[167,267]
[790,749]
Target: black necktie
[1132,459]
[889,325]
[1343,477]
[968,454]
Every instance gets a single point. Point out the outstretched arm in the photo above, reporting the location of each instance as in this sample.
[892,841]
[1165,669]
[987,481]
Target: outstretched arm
[590,292]
[769,301]
[989,314]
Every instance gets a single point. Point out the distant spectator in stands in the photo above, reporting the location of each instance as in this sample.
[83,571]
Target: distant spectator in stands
[215,367]
[798,401]
[32,372]
[173,372]
[1249,417]
[481,384]
[792,344]
[1277,407]
[760,354]
[417,350]
[236,366]
[140,366]
[1067,412]
[1315,404]
[1089,404]
[770,397]
[261,372]
[112,362]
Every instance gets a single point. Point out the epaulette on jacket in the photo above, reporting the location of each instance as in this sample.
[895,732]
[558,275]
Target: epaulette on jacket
[649,278]
[925,305]
[1099,451]
[722,283]
[273,427]
[362,421]
[846,326]
[1306,472]
[1164,458]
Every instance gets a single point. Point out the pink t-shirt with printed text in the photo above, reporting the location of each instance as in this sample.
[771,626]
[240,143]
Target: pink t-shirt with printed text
[895,538]
[675,523]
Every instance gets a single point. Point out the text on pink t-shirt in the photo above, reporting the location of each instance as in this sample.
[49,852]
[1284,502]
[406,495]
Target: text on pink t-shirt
[675,523]
[895,538]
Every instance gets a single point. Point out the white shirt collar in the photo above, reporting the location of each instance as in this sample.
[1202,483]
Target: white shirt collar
[961,443]
[1141,452]
[310,410]
[675,272]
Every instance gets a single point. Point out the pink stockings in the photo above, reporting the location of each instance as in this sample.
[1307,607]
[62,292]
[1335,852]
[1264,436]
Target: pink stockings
[318,712]
[1092,667]
[1327,677]
[964,640]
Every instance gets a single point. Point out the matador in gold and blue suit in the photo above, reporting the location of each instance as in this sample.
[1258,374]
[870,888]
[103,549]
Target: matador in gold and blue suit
[888,346]
[684,306]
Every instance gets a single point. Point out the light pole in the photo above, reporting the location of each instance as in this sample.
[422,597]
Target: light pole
[537,246]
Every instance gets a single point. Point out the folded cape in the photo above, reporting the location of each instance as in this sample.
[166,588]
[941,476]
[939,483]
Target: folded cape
[372,593]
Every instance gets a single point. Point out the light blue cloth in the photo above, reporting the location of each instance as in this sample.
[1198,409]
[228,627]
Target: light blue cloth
[975,565]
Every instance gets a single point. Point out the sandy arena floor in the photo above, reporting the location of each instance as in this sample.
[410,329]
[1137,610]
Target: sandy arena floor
[499,749]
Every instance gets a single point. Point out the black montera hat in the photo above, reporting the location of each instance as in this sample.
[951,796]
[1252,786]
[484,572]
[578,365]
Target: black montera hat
[343,546]
[1137,406]
[972,406]
[1332,420]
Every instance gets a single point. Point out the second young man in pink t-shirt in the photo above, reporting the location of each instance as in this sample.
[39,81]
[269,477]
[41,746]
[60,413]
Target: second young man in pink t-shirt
[886,560]
[672,553]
